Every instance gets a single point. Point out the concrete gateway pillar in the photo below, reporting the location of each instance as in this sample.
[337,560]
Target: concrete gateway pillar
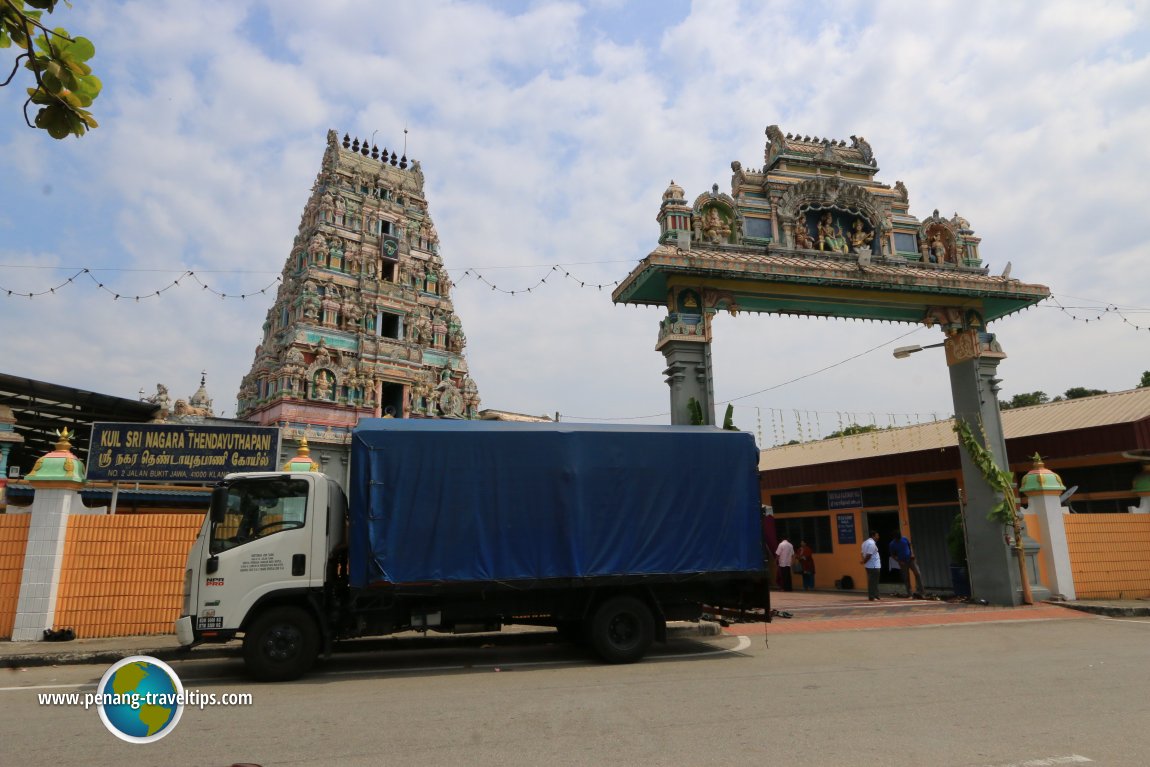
[688,374]
[973,357]
[685,341]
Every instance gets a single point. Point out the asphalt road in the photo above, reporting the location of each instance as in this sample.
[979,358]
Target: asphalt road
[1030,693]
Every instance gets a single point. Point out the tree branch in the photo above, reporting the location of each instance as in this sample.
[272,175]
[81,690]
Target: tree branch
[15,68]
[35,23]
[26,120]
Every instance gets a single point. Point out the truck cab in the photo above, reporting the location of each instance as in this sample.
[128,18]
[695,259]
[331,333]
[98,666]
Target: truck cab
[268,547]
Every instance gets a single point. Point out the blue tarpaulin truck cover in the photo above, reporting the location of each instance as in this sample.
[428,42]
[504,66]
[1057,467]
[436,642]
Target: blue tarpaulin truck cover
[450,501]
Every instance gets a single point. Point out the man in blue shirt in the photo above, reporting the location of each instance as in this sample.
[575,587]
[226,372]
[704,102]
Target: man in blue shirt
[873,564]
[903,553]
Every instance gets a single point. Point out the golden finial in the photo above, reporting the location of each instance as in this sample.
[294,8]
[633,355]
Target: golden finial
[1038,464]
[303,448]
[64,435]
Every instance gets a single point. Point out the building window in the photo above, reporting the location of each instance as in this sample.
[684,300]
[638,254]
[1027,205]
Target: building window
[389,325]
[937,491]
[814,530]
[905,243]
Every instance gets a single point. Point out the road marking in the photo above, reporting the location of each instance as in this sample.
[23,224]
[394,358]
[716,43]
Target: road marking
[743,644]
[1049,761]
[48,686]
[1124,620]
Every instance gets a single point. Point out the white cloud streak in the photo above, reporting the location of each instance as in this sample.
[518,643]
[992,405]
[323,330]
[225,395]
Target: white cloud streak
[547,136]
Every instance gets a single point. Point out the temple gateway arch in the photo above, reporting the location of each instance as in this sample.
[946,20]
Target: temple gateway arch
[813,233]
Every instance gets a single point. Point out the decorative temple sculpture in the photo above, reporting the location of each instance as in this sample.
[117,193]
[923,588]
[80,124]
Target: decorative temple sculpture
[362,322]
[813,233]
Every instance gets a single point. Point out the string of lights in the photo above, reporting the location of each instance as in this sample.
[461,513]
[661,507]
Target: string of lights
[85,272]
[90,272]
[1097,313]
[1078,313]
[542,281]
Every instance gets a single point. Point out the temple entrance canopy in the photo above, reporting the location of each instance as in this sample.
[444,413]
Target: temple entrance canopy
[813,233]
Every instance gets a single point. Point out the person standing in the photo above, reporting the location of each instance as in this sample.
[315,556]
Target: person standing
[785,558]
[806,558]
[902,551]
[873,563]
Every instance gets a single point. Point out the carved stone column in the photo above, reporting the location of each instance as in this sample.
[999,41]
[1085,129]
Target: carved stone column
[685,343]
[973,357]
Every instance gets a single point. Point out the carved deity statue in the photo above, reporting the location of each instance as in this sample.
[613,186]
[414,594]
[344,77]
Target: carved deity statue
[311,307]
[715,229]
[859,237]
[323,385]
[803,239]
[316,248]
[831,236]
[936,251]
[162,399]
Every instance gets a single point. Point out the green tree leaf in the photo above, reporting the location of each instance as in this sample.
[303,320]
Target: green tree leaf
[64,84]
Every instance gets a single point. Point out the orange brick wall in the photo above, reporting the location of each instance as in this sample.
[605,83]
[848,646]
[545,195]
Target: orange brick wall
[124,575]
[1109,555]
[13,539]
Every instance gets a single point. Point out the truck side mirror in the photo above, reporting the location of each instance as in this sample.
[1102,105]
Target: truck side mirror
[219,505]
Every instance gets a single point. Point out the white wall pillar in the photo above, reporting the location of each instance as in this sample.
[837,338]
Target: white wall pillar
[56,479]
[1043,489]
[47,530]
[1052,534]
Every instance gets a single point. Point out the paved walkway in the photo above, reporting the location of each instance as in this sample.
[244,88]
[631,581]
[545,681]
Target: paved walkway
[811,611]
[818,611]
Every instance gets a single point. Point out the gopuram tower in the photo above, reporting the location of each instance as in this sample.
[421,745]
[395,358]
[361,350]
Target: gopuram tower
[362,325]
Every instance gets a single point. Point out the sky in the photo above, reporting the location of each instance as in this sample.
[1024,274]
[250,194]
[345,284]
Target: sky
[547,132]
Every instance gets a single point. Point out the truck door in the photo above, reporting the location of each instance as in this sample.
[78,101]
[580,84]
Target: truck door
[263,543]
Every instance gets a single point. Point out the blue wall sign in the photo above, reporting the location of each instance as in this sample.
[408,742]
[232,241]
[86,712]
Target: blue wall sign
[162,452]
[845,499]
[846,526]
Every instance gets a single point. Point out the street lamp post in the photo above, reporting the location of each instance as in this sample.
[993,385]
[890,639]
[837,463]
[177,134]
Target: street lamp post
[902,352]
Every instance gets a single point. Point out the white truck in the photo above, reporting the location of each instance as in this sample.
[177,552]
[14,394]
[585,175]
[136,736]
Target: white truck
[603,532]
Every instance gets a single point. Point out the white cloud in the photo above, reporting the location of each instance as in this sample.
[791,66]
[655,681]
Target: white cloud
[547,137]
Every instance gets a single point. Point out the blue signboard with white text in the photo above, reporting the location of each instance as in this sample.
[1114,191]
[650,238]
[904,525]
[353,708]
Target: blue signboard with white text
[846,527]
[170,452]
[845,499]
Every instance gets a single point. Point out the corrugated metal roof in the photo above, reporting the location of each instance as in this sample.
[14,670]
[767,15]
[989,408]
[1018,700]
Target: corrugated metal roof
[1050,418]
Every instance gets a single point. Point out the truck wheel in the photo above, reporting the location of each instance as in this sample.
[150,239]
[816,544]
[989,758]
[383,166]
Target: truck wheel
[622,630]
[281,644]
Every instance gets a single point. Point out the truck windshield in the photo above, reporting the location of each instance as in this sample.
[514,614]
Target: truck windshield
[258,508]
